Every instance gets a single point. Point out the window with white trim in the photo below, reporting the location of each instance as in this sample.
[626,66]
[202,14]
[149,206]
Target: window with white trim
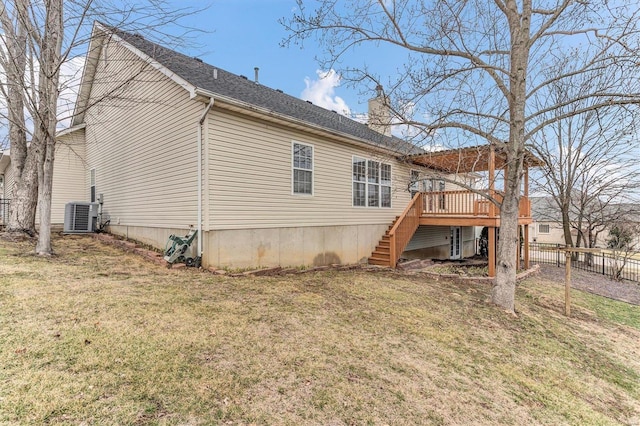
[92,185]
[371,184]
[359,182]
[543,228]
[414,183]
[302,168]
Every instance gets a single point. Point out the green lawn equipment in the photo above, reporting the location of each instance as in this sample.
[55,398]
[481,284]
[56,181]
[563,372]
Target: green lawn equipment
[180,249]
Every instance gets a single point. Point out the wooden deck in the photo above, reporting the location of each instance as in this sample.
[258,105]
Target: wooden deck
[466,208]
[440,208]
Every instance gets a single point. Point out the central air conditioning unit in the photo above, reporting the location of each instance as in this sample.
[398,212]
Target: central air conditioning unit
[80,217]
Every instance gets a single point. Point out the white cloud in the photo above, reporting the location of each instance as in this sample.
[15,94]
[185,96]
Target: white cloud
[322,92]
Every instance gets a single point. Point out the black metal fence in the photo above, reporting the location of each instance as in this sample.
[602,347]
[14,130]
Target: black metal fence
[4,211]
[614,264]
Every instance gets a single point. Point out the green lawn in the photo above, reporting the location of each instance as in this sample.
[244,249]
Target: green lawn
[96,336]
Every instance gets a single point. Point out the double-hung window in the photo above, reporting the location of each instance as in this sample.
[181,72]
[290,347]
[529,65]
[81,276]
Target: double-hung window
[371,183]
[359,182]
[385,185]
[92,185]
[302,179]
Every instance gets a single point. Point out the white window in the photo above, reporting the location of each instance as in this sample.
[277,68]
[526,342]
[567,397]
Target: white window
[385,185]
[359,182]
[414,184]
[302,165]
[371,183]
[92,185]
[543,228]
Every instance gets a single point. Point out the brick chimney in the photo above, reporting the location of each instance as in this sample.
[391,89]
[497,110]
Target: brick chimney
[379,113]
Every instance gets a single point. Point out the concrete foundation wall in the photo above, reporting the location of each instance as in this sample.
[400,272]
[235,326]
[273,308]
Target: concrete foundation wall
[323,245]
[155,237]
[253,248]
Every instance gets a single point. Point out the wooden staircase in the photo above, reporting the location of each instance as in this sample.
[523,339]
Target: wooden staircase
[382,253]
[396,238]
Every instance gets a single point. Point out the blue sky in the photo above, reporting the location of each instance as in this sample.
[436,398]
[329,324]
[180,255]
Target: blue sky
[238,35]
[243,34]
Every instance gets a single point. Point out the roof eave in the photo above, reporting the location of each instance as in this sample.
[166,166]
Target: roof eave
[98,36]
[265,113]
[71,129]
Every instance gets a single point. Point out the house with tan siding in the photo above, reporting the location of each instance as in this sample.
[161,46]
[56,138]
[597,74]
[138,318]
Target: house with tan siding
[68,176]
[267,179]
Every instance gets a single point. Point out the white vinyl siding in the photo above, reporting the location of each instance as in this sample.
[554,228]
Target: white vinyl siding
[8,181]
[143,144]
[434,236]
[239,200]
[69,173]
[302,168]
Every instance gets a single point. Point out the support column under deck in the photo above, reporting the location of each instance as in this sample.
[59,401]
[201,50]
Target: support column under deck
[526,247]
[492,251]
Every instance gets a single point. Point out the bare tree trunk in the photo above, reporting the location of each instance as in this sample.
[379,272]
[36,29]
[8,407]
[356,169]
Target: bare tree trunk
[566,227]
[22,213]
[503,293]
[49,91]
[23,193]
[43,247]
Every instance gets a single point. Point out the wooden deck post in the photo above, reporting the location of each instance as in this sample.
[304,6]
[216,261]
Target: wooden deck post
[492,181]
[392,250]
[567,283]
[492,251]
[518,251]
[526,247]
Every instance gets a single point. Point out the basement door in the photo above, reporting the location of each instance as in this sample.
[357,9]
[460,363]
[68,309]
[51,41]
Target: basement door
[456,236]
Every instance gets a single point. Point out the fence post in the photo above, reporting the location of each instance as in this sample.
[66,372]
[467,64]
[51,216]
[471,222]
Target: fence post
[603,264]
[558,255]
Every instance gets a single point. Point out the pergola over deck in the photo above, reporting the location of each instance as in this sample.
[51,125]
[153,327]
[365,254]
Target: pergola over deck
[463,207]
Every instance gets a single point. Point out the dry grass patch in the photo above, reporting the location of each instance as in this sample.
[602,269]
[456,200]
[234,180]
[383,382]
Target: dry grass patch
[97,336]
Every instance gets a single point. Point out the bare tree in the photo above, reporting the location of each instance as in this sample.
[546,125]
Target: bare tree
[39,37]
[592,161]
[474,70]
[13,60]
[623,241]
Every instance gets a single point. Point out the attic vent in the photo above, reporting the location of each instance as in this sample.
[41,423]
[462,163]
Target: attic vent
[279,91]
[197,59]
[244,76]
[309,102]
[334,111]
[138,35]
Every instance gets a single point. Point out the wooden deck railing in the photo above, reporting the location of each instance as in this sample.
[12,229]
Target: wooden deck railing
[464,203]
[404,228]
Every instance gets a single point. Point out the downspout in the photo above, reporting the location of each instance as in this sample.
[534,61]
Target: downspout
[200,144]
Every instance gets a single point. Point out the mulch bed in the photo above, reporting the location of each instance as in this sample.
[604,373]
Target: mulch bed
[625,291]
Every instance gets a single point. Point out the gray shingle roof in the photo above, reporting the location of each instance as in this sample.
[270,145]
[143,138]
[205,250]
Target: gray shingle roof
[201,75]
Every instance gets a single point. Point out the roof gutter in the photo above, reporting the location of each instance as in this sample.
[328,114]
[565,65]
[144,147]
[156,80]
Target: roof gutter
[203,117]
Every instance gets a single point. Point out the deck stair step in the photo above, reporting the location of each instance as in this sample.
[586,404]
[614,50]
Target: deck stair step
[382,253]
[378,261]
